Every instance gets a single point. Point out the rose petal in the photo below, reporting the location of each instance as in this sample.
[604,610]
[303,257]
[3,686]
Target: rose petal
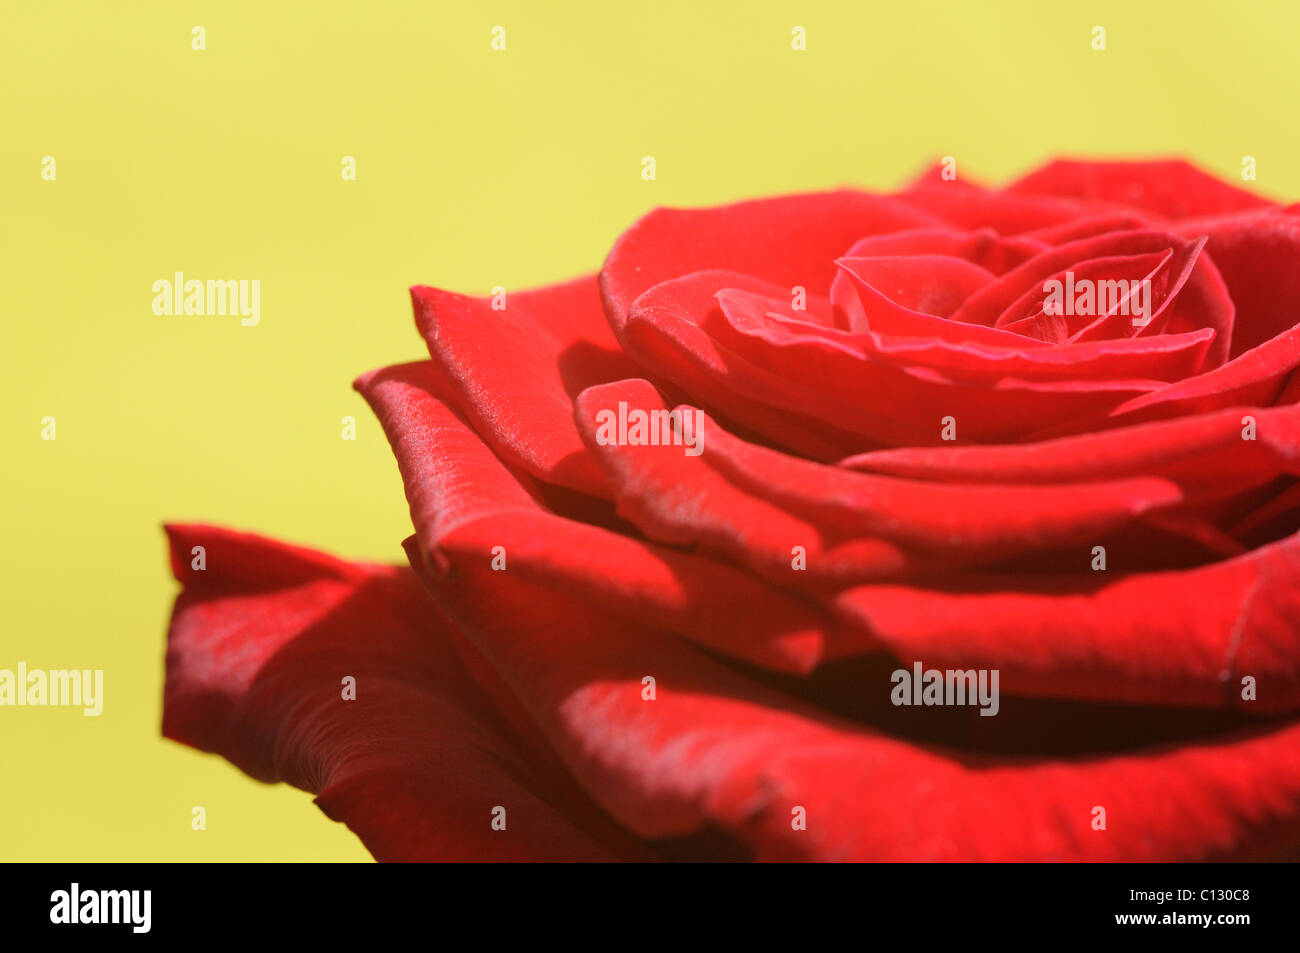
[516,370]
[984,248]
[1089,226]
[865,307]
[973,207]
[970,357]
[790,240]
[259,645]
[1199,452]
[468,510]
[1171,188]
[679,330]
[929,284]
[1031,316]
[754,506]
[1259,259]
[681,352]
[1255,378]
[1185,637]
[1202,300]
[713,751]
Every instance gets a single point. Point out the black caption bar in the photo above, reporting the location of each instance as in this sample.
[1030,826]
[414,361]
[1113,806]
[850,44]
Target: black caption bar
[137,903]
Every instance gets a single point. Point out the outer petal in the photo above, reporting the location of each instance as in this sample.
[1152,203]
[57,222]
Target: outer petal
[468,510]
[1257,378]
[516,370]
[1171,188]
[762,509]
[791,240]
[1200,452]
[1259,259]
[1089,226]
[1184,638]
[259,645]
[716,752]
[972,207]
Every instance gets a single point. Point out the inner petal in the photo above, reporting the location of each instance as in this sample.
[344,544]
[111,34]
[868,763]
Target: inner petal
[1079,298]
[929,284]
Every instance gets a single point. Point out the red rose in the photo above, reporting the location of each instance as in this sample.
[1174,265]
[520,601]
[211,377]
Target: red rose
[1042,441]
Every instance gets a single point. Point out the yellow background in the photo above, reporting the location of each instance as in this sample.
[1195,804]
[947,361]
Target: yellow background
[475,168]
